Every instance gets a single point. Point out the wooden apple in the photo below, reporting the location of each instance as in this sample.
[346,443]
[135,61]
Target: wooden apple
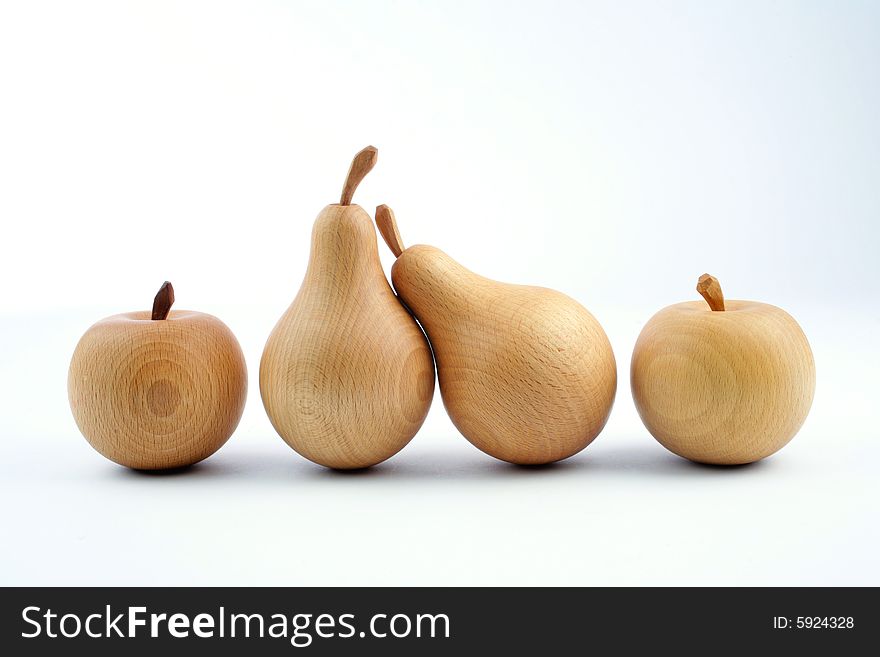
[724,383]
[157,390]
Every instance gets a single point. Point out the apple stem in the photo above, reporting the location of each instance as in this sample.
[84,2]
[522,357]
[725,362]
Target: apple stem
[388,228]
[710,288]
[361,165]
[163,301]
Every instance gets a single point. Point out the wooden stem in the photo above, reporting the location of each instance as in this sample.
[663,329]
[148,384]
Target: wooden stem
[163,301]
[388,228]
[710,288]
[361,165]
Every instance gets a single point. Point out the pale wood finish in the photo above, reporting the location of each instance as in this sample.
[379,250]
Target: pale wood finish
[526,373]
[152,394]
[710,289]
[387,224]
[361,165]
[723,387]
[347,376]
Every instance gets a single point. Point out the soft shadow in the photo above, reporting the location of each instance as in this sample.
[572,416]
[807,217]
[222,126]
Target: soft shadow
[197,470]
[351,473]
[453,465]
[440,465]
[654,460]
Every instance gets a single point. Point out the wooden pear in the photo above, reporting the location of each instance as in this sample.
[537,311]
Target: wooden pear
[347,375]
[526,374]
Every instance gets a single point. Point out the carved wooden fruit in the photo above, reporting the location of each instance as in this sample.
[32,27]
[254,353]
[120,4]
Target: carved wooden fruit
[158,390]
[347,376]
[726,383]
[527,374]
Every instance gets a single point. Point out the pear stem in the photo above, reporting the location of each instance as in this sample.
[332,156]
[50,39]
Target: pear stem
[163,301]
[388,228]
[710,288]
[361,165]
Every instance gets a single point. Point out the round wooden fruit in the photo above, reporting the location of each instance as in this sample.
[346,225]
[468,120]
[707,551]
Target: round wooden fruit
[161,390]
[724,383]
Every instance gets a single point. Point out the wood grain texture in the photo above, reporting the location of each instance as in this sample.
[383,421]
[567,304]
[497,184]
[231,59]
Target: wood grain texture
[387,225]
[347,376]
[710,289]
[723,387]
[526,373]
[361,165]
[157,394]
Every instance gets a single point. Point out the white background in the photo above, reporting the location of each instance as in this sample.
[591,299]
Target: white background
[614,151]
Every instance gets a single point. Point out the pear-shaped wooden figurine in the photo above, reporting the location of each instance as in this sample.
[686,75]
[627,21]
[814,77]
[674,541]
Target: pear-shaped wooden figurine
[347,375]
[526,373]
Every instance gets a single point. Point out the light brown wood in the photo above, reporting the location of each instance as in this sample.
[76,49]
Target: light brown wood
[710,289]
[388,229]
[347,376]
[724,387]
[154,394]
[526,373]
[361,165]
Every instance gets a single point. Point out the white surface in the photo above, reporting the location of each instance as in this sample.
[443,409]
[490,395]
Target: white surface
[612,151]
